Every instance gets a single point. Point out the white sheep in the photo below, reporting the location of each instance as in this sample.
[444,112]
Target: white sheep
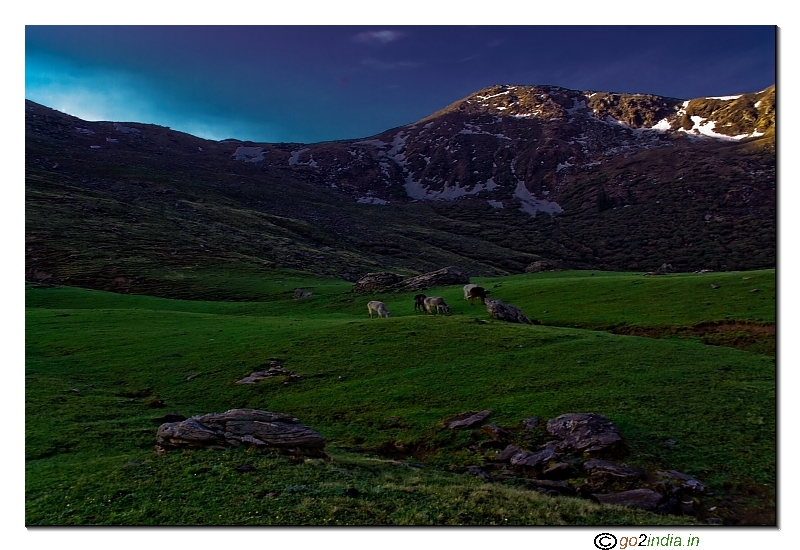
[436,303]
[379,308]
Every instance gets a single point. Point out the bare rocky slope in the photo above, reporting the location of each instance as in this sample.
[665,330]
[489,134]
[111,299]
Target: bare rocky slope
[508,176]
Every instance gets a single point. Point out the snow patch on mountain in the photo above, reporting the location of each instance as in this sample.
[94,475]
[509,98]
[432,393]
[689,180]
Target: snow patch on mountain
[294,159]
[531,205]
[249,154]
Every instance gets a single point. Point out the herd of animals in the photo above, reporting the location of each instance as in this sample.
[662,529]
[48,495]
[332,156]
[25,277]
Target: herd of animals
[431,305]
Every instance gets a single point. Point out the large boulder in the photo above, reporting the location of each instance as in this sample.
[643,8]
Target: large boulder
[377,282]
[442,277]
[584,432]
[237,427]
[543,265]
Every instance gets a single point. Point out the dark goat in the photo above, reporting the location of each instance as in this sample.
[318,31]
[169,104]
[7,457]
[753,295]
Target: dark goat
[476,292]
[419,302]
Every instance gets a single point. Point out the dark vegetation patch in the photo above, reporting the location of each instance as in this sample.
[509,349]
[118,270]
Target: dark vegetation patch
[753,337]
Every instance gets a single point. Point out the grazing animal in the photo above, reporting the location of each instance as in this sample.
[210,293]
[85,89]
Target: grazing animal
[467,289]
[437,304]
[477,292]
[379,308]
[419,302]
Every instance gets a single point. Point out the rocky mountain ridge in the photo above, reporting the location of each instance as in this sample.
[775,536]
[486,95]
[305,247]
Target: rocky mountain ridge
[509,176]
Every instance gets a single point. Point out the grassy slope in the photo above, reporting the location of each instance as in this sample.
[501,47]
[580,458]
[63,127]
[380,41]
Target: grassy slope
[718,403]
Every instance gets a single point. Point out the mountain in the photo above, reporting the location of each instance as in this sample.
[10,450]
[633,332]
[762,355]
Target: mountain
[508,176]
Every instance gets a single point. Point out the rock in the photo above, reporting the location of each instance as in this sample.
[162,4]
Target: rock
[240,426]
[530,423]
[669,443]
[687,481]
[379,281]
[300,293]
[559,470]
[506,454]
[272,371]
[584,432]
[442,277]
[714,286]
[543,265]
[609,470]
[644,499]
[466,419]
[506,312]
[532,460]
[497,433]
[663,270]
[245,468]
[478,472]
[560,487]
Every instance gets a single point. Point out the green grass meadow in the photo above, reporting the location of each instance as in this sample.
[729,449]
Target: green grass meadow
[97,362]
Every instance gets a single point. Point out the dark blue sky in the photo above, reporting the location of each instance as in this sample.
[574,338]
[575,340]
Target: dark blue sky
[317,83]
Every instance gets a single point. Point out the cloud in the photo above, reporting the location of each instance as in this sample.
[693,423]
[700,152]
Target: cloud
[390,65]
[378,37]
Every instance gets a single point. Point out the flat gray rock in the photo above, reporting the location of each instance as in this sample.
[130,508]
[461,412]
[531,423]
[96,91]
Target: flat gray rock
[237,427]
[584,432]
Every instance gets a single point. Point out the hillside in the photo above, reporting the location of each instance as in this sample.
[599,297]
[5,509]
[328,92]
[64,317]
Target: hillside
[506,177]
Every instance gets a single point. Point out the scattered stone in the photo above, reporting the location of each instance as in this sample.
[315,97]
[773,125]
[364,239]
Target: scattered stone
[529,424]
[669,443]
[643,499]
[754,290]
[714,286]
[300,293]
[478,472]
[532,460]
[506,454]
[584,432]
[466,419]
[496,433]
[506,312]
[190,377]
[604,469]
[274,370]
[132,464]
[245,468]
[155,403]
[663,270]
[240,426]
[687,481]
[560,487]
[714,521]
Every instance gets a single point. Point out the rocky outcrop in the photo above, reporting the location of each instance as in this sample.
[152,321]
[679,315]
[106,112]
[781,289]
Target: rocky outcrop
[585,433]
[543,265]
[385,281]
[236,427]
[441,277]
[377,282]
